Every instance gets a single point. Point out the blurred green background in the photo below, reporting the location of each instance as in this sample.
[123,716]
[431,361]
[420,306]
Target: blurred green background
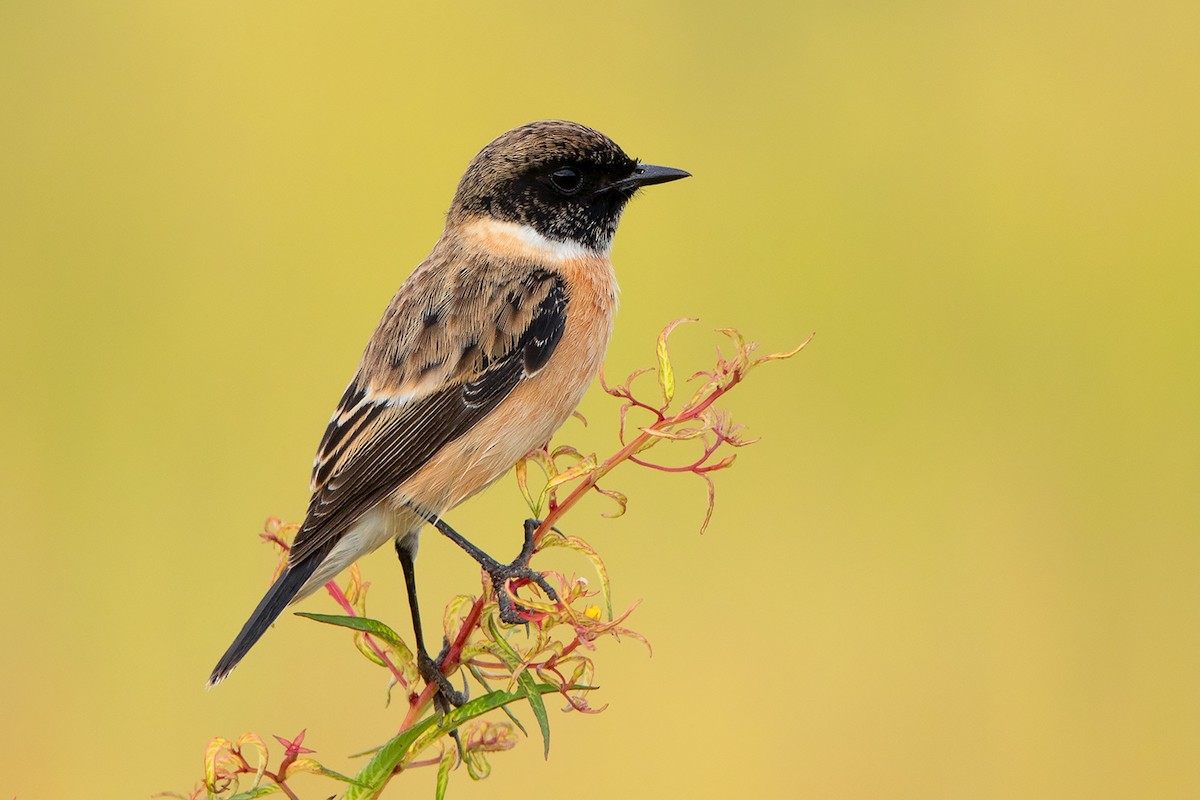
[961,563]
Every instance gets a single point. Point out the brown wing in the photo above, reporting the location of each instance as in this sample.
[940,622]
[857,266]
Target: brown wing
[429,375]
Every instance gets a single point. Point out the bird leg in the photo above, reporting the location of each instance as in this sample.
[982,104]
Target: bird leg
[501,574]
[430,668]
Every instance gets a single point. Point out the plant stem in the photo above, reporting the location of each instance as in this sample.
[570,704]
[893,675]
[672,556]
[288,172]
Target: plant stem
[337,594]
[626,452]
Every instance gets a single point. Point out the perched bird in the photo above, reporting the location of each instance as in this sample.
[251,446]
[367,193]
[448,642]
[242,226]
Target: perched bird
[482,354]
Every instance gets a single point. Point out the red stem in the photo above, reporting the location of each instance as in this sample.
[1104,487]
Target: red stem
[291,795]
[337,594]
[626,452]
[418,704]
[697,464]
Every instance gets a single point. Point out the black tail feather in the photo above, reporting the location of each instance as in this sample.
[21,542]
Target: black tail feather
[282,592]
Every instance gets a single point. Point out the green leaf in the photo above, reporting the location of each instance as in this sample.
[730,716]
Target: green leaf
[507,711]
[374,776]
[261,791]
[443,774]
[528,686]
[503,649]
[364,624]
[478,766]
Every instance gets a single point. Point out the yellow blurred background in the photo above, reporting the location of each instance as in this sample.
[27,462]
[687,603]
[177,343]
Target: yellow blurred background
[962,563]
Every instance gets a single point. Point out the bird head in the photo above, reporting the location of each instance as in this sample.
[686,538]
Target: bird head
[564,180]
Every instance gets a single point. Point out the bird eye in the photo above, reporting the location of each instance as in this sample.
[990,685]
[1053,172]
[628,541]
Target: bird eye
[566,180]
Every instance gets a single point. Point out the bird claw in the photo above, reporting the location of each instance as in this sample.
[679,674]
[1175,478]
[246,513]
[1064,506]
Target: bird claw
[519,569]
[445,694]
[501,574]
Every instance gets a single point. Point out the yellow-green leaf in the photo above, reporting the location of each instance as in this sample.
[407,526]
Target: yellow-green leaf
[443,774]
[621,500]
[255,743]
[573,472]
[712,502]
[211,753]
[478,766]
[679,435]
[313,767]
[788,354]
[360,642]
[580,546]
[666,375]
[522,472]
[455,614]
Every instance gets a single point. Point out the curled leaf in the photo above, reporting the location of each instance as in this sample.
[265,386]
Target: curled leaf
[738,339]
[478,766]
[455,614]
[363,646]
[724,463]
[212,753]
[633,376]
[566,450]
[443,774]
[712,501]
[580,546]
[254,742]
[788,354]
[522,472]
[621,500]
[580,470]
[543,460]
[356,590]
[666,375]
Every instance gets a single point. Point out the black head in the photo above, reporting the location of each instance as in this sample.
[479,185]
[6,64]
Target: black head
[565,180]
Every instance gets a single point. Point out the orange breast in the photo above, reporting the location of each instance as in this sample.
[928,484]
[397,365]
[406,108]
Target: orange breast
[537,407]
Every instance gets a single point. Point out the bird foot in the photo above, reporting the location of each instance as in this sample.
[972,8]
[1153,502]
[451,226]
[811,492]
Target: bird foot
[445,695]
[519,569]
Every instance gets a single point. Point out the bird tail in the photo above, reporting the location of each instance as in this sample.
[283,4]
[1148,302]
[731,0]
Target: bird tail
[282,592]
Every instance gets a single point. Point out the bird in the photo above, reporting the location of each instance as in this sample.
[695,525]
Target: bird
[482,354]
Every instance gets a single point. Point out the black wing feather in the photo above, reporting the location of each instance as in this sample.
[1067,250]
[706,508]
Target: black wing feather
[541,337]
[406,441]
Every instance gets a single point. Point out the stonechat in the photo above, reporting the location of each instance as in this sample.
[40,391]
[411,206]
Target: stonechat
[485,350]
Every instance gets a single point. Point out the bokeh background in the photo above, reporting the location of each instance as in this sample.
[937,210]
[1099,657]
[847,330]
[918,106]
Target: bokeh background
[962,563]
